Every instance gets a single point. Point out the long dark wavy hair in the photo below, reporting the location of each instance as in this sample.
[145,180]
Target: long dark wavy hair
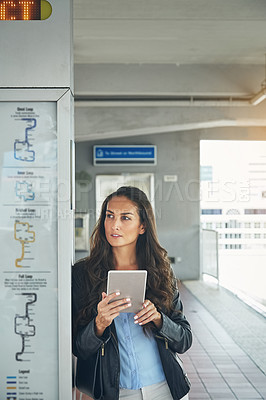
[151,256]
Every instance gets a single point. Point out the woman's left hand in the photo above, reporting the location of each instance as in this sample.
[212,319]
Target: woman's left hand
[149,313]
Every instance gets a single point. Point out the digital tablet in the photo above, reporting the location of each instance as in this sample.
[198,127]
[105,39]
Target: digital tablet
[130,284]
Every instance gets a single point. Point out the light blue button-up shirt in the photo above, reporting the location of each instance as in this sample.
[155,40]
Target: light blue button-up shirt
[140,363]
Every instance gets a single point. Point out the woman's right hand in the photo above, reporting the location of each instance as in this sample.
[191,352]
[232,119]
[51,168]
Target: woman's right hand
[107,311]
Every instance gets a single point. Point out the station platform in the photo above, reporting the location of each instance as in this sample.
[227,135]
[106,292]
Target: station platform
[227,359]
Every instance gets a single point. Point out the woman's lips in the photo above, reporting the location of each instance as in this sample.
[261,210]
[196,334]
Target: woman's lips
[115,235]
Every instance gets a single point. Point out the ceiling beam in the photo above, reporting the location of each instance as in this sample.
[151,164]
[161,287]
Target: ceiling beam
[171,128]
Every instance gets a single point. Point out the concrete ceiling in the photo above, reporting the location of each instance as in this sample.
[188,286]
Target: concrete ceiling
[155,66]
[169,31]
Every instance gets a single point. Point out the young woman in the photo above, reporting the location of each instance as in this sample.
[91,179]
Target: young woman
[127,355]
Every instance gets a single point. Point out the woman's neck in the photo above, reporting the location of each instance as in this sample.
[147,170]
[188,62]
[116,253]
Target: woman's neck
[125,259]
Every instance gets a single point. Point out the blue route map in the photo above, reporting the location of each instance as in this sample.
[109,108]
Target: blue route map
[24,191]
[22,148]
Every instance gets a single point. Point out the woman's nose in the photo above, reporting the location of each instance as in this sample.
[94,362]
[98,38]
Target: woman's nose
[116,224]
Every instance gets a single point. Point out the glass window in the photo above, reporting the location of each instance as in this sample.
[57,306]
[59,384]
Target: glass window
[247,224]
[257,235]
[79,223]
[233,223]
[257,225]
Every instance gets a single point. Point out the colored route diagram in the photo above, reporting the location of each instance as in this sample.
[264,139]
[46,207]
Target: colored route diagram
[22,148]
[23,325]
[24,235]
[24,191]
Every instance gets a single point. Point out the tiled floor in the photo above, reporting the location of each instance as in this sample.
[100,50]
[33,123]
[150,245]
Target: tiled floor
[219,367]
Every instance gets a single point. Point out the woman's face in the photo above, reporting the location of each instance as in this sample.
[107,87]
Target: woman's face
[122,223]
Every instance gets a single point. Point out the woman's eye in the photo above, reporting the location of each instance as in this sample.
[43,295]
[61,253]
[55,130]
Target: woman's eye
[125,218]
[109,216]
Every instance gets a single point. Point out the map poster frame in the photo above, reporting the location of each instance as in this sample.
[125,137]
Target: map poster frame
[36,235]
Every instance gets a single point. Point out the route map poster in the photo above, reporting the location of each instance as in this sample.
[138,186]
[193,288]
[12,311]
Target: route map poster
[28,265]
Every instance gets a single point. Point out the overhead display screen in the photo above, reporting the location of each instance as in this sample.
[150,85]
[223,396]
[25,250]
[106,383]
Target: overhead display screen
[25,10]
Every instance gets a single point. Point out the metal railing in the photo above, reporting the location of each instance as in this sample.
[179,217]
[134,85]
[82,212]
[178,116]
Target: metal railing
[209,253]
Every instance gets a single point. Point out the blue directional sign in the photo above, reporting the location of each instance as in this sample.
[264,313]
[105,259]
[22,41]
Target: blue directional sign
[124,155]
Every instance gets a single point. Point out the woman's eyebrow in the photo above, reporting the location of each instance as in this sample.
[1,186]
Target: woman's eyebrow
[123,213]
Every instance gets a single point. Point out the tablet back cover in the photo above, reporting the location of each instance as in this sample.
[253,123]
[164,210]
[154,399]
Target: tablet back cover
[130,284]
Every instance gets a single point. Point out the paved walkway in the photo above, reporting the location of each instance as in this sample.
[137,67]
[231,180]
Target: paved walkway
[228,357]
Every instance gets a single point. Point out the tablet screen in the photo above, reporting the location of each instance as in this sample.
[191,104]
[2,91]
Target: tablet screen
[130,284]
